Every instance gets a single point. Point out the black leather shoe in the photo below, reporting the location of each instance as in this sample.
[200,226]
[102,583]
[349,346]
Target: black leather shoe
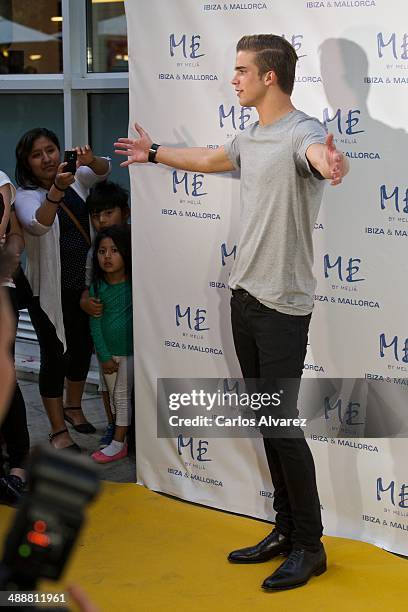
[273,545]
[296,570]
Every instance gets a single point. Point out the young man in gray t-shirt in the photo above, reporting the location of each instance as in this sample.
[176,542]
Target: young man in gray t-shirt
[284,158]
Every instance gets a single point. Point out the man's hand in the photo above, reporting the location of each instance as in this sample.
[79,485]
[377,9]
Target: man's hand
[136,150]
[92,306]
[328,161]
[337,162]
[110,366]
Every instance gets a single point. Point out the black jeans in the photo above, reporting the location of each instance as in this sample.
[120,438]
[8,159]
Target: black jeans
[55,364]
[271,345]
[14,429]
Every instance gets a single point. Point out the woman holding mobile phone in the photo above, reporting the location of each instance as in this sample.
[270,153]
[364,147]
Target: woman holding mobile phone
[50,205]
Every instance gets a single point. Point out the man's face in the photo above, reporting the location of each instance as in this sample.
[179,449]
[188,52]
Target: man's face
[250,87]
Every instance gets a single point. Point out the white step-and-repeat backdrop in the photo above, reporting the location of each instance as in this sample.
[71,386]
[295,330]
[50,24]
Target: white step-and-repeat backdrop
[352,75]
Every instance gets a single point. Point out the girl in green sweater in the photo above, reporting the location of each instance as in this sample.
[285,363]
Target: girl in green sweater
[112,331]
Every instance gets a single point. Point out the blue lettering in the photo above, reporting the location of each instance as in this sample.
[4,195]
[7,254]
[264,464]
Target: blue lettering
[196,183]
[351,269]
[176,181]
[381,44]
[243,116]
[380,489]
[395,195]
[194,46]
[225,254]
[199,318]
[201,451]
[393,343]
[350,121]
[180,316]
[350,413]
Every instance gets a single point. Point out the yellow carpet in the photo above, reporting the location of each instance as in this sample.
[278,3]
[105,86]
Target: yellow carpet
[147,552]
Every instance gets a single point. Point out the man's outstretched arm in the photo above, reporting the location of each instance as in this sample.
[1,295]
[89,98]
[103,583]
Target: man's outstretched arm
[192,159]
[328,161]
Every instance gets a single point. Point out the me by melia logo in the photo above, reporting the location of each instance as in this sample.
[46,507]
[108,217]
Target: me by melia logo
[347,413]
[347,124]
[192,323]
[394,203]
[344,122]
[394,497]
[392,492]
[397,195]
[190,183]
[196,452]
[196,449]
[186,46]
[394,349]
[344,273]
[191,187]
[185,50]
[392,49]
[193,319]
[234,117]
[343,269]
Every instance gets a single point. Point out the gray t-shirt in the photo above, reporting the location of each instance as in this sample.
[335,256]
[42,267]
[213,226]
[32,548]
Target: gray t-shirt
[280,200]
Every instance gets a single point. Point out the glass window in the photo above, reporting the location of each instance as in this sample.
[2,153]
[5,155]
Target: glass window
[108,120]
[107,36]
[21,112]
[30,37]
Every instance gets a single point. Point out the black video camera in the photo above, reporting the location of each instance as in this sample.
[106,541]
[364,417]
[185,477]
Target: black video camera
[49,518]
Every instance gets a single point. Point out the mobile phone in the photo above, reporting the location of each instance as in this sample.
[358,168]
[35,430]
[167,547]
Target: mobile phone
[71,158]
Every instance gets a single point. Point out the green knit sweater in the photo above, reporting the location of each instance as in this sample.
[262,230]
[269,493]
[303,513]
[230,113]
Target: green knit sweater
[112,333]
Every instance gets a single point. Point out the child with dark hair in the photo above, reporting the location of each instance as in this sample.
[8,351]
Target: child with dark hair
[107,205]
[112,330]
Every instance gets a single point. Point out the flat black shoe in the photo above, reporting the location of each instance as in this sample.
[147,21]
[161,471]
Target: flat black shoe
[84,428]
[72,447]
[273,545]
[11,489]
[298,568]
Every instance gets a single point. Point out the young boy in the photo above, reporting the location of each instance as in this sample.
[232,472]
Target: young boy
[108,205]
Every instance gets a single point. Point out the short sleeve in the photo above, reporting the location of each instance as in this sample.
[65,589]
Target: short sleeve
[232,150]
[4,180]
[307,132]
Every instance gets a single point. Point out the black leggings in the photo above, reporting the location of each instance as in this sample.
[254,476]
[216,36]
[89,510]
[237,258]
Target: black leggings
[14,428]
[55,364]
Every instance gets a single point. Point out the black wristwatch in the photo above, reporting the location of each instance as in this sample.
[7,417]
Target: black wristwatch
[152,153]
